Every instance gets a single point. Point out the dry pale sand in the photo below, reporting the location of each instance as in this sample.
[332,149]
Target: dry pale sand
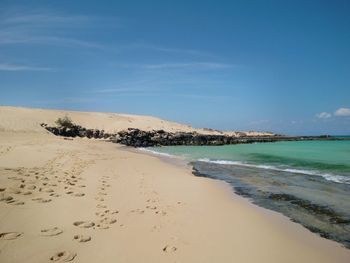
[93,201]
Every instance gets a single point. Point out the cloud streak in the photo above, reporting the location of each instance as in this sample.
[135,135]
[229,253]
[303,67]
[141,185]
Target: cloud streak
[188,65]
[157,48]
[45,28]
[16,67]
[323,115]
[342,112]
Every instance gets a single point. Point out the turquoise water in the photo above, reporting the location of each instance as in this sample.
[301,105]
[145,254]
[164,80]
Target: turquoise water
[308,181]
[330,159]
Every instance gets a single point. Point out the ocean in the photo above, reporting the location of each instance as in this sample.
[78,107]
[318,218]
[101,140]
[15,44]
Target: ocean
[308,181]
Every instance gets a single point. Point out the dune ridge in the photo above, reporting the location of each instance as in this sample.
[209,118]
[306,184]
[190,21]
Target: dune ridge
[19,119]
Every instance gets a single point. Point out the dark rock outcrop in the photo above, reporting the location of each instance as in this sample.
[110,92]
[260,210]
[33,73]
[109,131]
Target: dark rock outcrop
[138,138]
[78,131]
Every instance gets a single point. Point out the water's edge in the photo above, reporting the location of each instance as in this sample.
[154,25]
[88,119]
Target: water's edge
[291,206]
[295,208]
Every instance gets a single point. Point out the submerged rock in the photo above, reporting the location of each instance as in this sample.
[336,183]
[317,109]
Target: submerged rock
[333,216]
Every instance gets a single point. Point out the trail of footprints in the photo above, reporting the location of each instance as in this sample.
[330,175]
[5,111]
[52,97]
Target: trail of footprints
[105,217]
[43,183]
[152,205]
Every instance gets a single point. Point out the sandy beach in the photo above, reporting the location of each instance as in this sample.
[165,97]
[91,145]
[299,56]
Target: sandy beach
[84,200]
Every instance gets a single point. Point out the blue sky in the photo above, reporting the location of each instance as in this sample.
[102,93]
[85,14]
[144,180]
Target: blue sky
[281,66]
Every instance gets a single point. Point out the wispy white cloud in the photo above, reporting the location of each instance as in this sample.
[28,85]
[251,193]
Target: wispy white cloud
[16,67]
[43,20]
[196,65]
[158,48]
[48,40]
[48,18]
[323,115]
[188,65]
[199,96]
[45,27]
[342,112]
[116,90]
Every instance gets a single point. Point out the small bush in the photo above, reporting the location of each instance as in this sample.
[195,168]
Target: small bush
[64,122]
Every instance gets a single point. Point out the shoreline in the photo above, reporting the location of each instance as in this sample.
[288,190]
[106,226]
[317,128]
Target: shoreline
[265,200]
[163,213]
[189,165]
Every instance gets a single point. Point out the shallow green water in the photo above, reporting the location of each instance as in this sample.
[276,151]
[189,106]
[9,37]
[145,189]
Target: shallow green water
[330,159]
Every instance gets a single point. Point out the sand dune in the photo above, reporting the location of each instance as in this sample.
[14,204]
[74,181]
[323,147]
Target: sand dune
[29,120]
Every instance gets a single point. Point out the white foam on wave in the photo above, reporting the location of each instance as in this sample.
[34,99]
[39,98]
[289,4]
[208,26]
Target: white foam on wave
[156,153]
[327,176]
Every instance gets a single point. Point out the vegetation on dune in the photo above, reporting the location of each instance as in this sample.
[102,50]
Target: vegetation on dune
[65,122]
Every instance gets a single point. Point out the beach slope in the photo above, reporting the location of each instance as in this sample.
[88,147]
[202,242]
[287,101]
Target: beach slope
[87,200]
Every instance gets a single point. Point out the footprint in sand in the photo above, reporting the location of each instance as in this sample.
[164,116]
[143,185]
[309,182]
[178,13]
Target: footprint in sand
[63,256]
[112,221]
[168,249]
[79,194]
[108,221]
[84,224]
[5,198]
[102,226]
[51,232]
[17,202]
[41,200]
[2,189]
[139,211]
[82,238]
[31,187]
[163,213]
[100,199]
[14,191]
[14,178]
[47,190]
[10,235]
[100,214]
[101,206]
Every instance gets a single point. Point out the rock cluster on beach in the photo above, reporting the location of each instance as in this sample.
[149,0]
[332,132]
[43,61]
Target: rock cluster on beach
[139,138]
[78,131]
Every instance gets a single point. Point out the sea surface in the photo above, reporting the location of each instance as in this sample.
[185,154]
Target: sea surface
[308,181]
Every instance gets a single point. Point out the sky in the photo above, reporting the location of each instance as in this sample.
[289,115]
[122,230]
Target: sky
[280,66]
